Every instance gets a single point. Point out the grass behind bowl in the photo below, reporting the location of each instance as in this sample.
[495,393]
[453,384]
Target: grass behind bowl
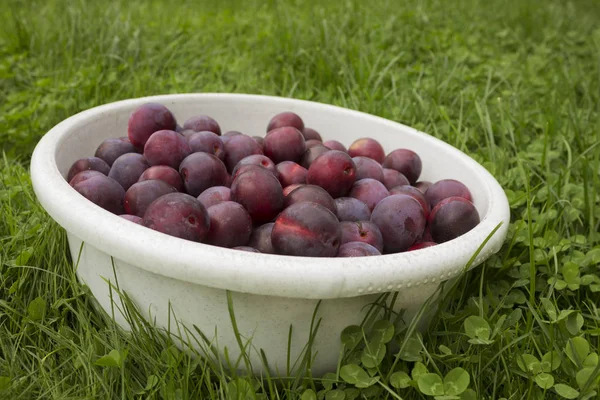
[513,84]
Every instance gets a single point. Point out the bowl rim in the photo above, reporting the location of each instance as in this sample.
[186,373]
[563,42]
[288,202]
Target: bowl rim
[273,275]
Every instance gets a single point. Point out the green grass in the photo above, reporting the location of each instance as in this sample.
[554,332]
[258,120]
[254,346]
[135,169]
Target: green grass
[515,84]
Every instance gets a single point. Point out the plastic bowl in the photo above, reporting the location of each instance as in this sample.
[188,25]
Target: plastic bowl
[173,280]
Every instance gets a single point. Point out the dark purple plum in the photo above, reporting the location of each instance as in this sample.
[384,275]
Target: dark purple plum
[351,209]
[229,134]
[128,168]
[246,167]
[405,161]
[207,142]
[284,144]
[214,195]
[202,123]
[311,134]
[238,147]
[421,245]
[89,163]
[311,154]
[133,218]
[313,142]
[246,248]
[362,231]
[261,238]
[451,218]
[113,148]
[260,192]
[163,173]
[369,191]
[286,119]
[179,215]
[83,175]
[256,159]
[401,221]
[415,193]
[445,188]
[423,186]
[139,196]
[260,140]
[367,168]
[290,173]
[393,178]
[367,147]
[334,171]
[289,189]
[335,145]
[199,171]
[310,193]
[102,191]
[166,148]
[230,225]
[306,229]
[147,119]
[357,249]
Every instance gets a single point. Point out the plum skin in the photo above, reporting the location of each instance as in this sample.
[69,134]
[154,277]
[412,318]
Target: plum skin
[147,119]
[351,209]
[393,178]
[202,123]
[357,249]
[256,159]
[452,217]
[290,173]
[199,171]
[401,220]
[306,229]
[367,147]
[260,192]
[111,149]
[230,225]
[166,148]
[362,231]
[128,168]
[139,196]
[369,191]
[334,171]
[286,118]
[445,188]
[102,191]
[261,238]
[214,195]
[415,193]
[405,161]
[238,147]
[312,153]
[367,168]
[207,142]
[312,193]
[284,144]
[163,173]
[180,215]
[89,163]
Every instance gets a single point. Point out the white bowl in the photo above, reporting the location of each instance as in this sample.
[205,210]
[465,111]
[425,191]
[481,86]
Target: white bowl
[269,292]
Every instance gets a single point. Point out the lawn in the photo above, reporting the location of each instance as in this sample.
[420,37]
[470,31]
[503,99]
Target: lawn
[514,84]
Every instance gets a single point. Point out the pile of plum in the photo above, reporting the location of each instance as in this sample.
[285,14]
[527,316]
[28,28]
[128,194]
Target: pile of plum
[286,193]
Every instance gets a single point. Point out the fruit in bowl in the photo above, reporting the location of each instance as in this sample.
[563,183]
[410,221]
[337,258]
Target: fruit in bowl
[177,270]
[258,177]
